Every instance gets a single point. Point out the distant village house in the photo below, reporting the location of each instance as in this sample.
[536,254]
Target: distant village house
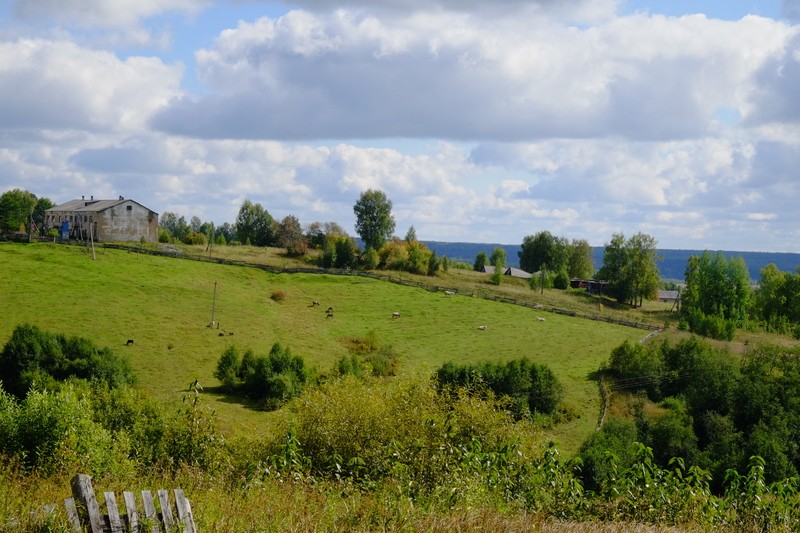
[103,220]
[508,271]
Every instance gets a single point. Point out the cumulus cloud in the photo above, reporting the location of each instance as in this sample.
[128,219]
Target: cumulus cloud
[58,85]
[348,75]
[776,86]
[103,13]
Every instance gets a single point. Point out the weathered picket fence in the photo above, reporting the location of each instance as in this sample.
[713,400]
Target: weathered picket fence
[84,514]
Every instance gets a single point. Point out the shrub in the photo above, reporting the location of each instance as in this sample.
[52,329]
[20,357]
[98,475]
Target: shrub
[368,351]
[55,433]
[278,296]
[195,238]
[227,367]
[370,259]
[532,388]
[272,379]
[33,357]
[561,280]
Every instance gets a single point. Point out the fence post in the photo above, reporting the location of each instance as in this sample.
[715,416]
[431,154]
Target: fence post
[83,493]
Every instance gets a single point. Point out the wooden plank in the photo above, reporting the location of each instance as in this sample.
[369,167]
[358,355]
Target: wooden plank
[150,511]
[166,510]
[131,511]
[114,521]
[72,515]
[185,515]
[83,493]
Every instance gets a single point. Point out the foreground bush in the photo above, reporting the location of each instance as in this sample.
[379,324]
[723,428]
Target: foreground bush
[95,429]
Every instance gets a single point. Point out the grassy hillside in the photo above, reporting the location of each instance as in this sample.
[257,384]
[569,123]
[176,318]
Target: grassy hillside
[164,305]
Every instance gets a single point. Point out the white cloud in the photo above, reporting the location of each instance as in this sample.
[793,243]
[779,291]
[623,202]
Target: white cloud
[103,13]
[58,85]
[438,74]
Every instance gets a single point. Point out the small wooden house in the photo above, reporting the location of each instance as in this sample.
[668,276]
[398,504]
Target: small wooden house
[103,220]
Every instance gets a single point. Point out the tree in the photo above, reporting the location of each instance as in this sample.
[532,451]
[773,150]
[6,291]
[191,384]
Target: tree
[543,248]
[630,268]
[480,261]
[255,225]
[580,263]
[717,294]
[175,226]
[411,235]
[643,268]
[16,208]
[374,220]
[498,259]
[290,236]
[42,205]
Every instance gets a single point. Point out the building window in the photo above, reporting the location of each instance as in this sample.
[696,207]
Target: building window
[85,218]
[130,208]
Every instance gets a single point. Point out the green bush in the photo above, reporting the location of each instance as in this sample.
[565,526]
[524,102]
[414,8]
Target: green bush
[532,388]
[369,355]
[272,379]
[227,368]
[195,238]
[35,358]
[561,280]
[55,433]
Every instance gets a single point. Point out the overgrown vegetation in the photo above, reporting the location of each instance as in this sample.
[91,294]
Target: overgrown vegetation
[368,356]
[715,410]
[36,359]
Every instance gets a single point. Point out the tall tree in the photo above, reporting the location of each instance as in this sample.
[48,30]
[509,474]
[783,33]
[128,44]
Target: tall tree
[630,267]
[290,236]
[715,286]
[256,225]
[42,205]
[544,248]
[16,208]
[480,261]
[374,220]
[643,256]
[580,263]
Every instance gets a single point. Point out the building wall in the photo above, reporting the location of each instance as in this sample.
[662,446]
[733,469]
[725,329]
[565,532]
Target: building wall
[127,221]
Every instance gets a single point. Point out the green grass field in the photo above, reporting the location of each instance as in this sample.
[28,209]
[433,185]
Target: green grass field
[164,305]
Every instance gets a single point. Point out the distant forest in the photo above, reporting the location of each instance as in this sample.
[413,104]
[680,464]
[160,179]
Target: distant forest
[672,266]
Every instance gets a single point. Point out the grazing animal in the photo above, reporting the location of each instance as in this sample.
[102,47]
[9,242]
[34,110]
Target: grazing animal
[129,343]
[482,328]
[329,314]
[540,319]
[330,310]
[314,303]
[449,293]
[396,314]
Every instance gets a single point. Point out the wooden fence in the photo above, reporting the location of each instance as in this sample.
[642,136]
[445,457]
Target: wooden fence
[84,511]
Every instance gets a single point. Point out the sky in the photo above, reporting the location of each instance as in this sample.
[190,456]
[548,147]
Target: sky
[481,121]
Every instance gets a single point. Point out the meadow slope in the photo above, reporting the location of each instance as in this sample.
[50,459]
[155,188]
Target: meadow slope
[164,305]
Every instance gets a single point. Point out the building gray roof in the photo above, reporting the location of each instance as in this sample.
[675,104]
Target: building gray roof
[90,206]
